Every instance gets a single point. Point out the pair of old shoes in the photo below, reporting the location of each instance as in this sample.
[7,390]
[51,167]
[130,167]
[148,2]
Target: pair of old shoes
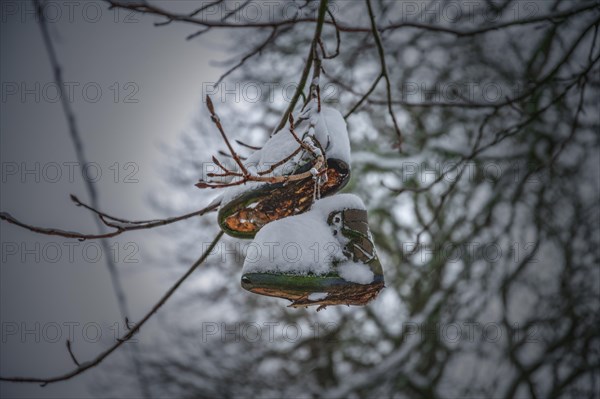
[308,249]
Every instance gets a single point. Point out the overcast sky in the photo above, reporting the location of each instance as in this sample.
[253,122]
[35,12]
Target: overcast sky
[133,86]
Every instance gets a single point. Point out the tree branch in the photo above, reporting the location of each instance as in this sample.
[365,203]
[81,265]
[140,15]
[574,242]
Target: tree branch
[384,72]
[252,53]
[319,165]
[146,8]
[309,60]
[125,225]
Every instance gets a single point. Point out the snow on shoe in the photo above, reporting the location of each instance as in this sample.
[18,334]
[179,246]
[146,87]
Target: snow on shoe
[324,256]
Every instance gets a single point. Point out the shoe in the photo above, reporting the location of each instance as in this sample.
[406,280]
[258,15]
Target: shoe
[246,208]
[323,257]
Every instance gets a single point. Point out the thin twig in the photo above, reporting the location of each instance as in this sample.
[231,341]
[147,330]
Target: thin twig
[384,72]
[319,165]
[314,89]
[337,38]
[364,97]
[146,8]
[225,154]
[247,145]
[193,13]
[278,164]
[215,118]
[197,33]
[249,55]
[120,229]
[72,355]
[205,7]
[307,65]
[490,27]
[235,10]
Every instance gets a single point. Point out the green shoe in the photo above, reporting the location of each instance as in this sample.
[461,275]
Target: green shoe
[323,257]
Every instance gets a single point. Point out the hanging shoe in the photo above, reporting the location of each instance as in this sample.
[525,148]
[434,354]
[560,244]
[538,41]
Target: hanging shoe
[246,208]
[323,257]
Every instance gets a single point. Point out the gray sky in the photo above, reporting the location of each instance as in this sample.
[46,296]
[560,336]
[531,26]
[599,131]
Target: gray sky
[162,74]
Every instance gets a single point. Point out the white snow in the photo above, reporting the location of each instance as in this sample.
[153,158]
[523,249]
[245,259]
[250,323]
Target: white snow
[277,148]
[293,245]
[216,201]
[337,203]
[327,126]
[356,273]
[305,243]
[231,193]
[317,296]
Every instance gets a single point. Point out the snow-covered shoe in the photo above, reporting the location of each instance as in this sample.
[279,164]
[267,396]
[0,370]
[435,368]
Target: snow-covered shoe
[246,208]
[323,257]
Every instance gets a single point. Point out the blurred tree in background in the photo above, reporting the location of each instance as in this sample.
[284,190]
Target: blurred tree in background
[486,221]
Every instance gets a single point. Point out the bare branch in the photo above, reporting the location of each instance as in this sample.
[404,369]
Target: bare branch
[235,10]
[119,229]
[309,60]
[72,355]
[146,8]
[252,53]
[215,118]
[364,97]
[491,27]
[278,164]
[247,145]
[337,38]
[320,165]
[384,72]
